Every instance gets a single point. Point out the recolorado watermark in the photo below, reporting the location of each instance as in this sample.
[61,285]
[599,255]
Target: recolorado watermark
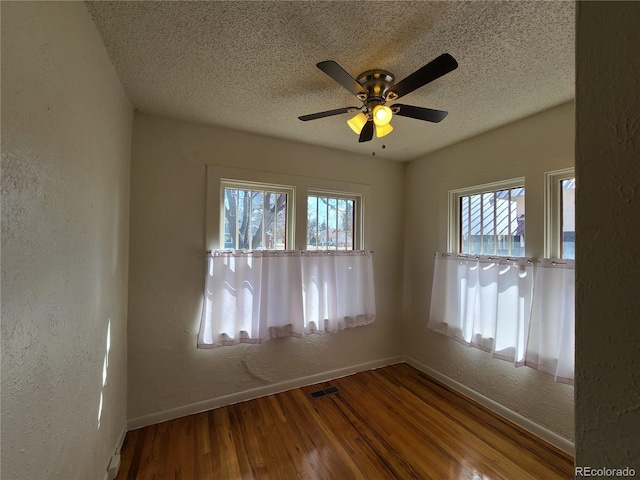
[604,472]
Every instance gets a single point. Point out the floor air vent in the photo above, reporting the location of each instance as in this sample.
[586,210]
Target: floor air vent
[326,391]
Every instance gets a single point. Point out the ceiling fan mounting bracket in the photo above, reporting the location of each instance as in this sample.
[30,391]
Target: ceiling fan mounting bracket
[377,83]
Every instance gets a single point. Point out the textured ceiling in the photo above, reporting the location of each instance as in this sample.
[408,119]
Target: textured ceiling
[251,65]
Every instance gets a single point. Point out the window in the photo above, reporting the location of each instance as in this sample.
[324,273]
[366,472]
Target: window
[488,219]
[493,297]
[256,216]
[560,214]
[333,221]
[260,283]
[258,210]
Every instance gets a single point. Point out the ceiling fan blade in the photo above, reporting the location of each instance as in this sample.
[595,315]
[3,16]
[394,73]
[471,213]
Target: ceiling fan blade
[367,132]
[341,76]
[328,113]
[420,113]
[436,68]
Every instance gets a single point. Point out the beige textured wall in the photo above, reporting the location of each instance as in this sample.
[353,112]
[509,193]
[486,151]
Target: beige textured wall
[608,228]
[527,148]
[168,197]
[66,137]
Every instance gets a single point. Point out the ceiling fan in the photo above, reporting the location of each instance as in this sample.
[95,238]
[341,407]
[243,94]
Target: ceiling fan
[374,88]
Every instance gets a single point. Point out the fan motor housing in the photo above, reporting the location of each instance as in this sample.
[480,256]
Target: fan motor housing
[377,83]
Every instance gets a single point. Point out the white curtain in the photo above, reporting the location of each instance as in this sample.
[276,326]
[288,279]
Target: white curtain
[516,308]
[338,290]
[251,297]
[484,302]
[551,345]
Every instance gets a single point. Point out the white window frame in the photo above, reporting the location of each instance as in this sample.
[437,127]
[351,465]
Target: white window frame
[553,210]
[358,236]
[299,185]
[453,232]
[289,190]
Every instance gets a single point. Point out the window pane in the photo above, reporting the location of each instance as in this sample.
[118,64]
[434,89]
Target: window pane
[254,219]
[464,225]
[332,205]
[342,227]
[492,223]
[568,219]
[475,230]
[488,223]
[516,208]
[312,223]
[244,206]
[323,227]
[281,222]
[503,222]
[351,221]
[256,236]
[330,223]
[230,214]
[269,221]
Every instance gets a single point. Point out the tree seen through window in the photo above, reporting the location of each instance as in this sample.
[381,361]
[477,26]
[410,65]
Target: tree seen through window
[255,219]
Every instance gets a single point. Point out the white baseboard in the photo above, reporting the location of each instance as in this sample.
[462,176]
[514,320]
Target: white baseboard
[532,427]
[114,466]
[145,420]
[114,461]
[123,432]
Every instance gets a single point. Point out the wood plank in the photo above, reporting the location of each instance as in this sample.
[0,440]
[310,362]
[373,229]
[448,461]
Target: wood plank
[127,452]
[203,467]
[454,405]
[448,438]
[390,423]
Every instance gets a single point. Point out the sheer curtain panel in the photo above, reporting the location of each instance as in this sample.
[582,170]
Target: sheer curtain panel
[551,346]
[517,309]
[484,302]
[338,290]
[248,297]
[255,296]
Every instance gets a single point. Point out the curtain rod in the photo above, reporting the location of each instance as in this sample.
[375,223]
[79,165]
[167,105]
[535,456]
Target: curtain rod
[508,259]
[291,252]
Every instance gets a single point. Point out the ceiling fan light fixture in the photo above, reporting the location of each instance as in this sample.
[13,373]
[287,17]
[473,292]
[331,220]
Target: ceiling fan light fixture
[376,87]
[382,115]
[382,130]
[358,122]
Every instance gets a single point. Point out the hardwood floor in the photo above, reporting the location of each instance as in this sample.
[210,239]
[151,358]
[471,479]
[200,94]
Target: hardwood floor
[390,423]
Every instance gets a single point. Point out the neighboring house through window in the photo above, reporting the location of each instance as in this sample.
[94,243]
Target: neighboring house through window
[333,221]
[560,230]
[488,219]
